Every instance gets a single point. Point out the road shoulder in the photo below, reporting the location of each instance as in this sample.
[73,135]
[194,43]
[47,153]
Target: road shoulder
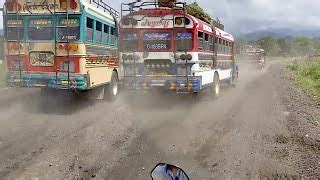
[303,121]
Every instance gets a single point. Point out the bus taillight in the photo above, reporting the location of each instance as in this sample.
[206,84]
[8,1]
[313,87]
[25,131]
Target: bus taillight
[11,5]
[72,46]
[73,4]
[63,4]
[14,46]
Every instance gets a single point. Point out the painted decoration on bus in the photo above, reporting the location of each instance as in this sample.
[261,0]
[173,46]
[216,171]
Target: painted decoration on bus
[161,36]
[184,35]
[157,40]
[43,6]
[41,59]
[129,36]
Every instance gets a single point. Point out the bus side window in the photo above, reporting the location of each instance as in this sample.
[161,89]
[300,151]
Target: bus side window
[220,45]
[105,34]
[216,46]
[206,42]
[89,28]
[200,40]
[113,36]
[98,32]
[227,46]
[211,43]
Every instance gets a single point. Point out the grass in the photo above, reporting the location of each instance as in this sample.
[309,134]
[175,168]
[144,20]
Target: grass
[3,72]
[306,73]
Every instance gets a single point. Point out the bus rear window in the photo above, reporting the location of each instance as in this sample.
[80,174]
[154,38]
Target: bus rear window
[40,29]
[70,30]
[184,41]
[156,41]
[129,41]
[14,30]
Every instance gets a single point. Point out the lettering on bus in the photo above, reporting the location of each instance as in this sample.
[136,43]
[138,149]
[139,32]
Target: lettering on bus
[41,5]
[41,22]
[155,23]
[157,40]
[157,46]
[14,22]
[70,22]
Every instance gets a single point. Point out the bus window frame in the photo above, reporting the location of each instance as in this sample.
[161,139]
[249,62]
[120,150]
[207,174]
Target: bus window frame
[29,19]
[58,20]
[202,40]
[23,25]
[106,35]
[184,31]
[172,36]
[86,29]
[103,40]
[96,32]
[206,41]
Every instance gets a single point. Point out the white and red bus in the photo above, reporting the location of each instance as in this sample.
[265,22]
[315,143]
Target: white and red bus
[161,46]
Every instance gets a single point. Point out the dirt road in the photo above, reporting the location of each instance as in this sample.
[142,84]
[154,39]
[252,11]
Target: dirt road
[246,133]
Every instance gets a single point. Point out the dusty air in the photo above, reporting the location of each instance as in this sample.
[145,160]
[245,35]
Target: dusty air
[159,89]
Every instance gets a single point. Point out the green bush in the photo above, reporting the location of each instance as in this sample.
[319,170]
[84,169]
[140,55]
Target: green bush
[307,75]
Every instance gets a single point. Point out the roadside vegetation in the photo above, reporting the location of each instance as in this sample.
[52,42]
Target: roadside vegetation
[306,73]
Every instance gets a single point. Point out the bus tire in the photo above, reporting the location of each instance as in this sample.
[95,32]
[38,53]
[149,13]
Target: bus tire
[111,90]
[216,85]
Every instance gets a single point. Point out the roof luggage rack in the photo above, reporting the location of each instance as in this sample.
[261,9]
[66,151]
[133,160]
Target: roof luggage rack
[136,6]
[106,7]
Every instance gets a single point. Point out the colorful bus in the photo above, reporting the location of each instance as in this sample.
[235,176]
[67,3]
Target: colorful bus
[62,44]
[161,46]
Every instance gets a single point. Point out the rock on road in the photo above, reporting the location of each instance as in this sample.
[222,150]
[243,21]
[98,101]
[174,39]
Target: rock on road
[239,135]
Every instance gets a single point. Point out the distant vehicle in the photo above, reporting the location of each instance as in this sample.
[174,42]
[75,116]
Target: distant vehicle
[255,54]
[162,47]
[62,44]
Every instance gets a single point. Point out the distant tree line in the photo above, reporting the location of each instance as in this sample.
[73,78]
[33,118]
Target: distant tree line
[289,47]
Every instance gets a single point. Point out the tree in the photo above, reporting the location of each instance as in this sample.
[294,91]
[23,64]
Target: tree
[195,10]
[269,44]
[284,47]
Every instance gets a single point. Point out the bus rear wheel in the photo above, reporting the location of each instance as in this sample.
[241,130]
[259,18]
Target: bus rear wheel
[216,85]
[111,91]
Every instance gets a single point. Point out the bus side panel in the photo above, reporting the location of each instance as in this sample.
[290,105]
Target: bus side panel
[99,76]
[207,76]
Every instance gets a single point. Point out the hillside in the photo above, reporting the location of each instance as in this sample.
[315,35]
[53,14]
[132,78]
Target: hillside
[281,33]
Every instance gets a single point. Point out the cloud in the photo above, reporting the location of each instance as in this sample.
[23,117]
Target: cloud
[250,15]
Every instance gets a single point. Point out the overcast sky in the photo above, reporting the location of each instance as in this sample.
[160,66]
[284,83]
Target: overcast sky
[249,15]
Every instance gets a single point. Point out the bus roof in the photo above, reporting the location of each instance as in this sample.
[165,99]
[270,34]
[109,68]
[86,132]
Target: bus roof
[98,10]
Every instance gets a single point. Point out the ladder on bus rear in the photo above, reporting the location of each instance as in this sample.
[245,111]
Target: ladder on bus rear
[11,67]
[133,8]
[66,13]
